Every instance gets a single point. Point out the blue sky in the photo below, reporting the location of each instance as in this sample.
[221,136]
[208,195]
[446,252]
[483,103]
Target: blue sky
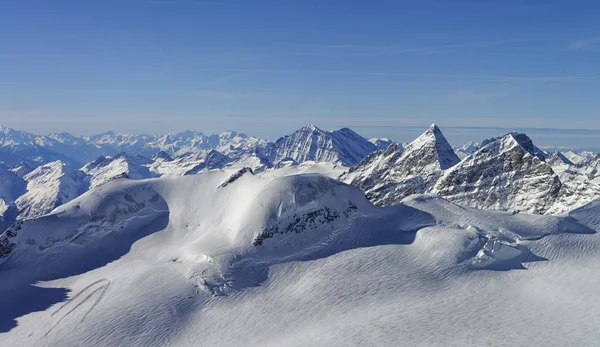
[266,67]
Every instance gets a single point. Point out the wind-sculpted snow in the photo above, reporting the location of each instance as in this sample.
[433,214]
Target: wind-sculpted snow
[175,262]
[588,215]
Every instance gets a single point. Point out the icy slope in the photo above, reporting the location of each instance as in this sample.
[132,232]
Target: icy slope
[291,261]
[310,143]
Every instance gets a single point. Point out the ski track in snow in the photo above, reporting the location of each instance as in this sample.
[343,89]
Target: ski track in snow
[423,273]
[104,284]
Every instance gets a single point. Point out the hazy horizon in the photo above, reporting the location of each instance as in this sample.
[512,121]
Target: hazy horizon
[546,138]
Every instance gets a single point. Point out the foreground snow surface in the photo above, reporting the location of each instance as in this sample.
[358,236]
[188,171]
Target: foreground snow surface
[299,260]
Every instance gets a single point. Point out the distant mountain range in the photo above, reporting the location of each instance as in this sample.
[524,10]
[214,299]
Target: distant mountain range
[40,172]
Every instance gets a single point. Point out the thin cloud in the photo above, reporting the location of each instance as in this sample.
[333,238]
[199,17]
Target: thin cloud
[41,55]
[425,49]
[472,95]
[499,78]
[213,94]
[584,44]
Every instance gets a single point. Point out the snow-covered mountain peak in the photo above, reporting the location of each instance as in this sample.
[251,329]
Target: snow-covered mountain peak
[431,150]
[310,127]
[381,143]
[49,186]
[56,168]
[230,134]
[523,140]
[310,143]
[388,176]
[506,173]
[466,149]
[515,141]
[5,129]
[558,158]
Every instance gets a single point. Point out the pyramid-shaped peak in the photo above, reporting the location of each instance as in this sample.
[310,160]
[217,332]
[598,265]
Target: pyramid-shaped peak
[433,134]
[433,145]
[523,140]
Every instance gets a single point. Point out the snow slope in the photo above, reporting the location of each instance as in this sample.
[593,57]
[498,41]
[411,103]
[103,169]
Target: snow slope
[466,149]
[190,164]
[105,169]
[292,261]
[48,187]
[579,158]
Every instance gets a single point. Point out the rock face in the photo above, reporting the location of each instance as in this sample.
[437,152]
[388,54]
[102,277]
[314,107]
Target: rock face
[344,146]
[389,176]
[592,169]
[48,187]
[506,173]
[236,176]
